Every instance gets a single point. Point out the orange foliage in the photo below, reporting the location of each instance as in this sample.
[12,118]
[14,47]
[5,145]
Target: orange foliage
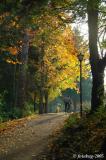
[13,50]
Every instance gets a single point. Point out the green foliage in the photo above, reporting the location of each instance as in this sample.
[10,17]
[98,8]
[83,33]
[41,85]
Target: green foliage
[72,120]
[3,114]
[100,115]
[2,103]
[15,113]
[86,107]
[28,110]
[101,111]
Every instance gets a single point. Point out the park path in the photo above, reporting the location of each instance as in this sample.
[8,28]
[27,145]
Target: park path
[30,140]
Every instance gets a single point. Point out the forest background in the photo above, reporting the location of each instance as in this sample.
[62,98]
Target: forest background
[38,53]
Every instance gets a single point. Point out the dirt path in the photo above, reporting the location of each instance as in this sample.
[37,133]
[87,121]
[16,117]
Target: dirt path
[30,140]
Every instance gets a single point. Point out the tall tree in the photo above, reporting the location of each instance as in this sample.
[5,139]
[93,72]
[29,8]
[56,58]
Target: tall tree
[97,64]
[23,72]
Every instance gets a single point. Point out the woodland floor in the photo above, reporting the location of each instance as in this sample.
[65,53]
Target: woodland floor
[28,138]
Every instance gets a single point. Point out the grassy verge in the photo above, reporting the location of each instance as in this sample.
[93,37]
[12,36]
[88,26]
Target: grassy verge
[81,138]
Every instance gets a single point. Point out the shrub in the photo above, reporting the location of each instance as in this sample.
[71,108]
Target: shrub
[28,110]
[80,136]
[15,113]
[72,120]
[3,114]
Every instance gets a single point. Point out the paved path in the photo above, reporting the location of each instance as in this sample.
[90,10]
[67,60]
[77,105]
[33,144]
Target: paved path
[30,140]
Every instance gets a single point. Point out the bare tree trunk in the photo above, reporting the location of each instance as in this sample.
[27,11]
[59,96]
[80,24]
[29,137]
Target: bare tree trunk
[23,72]
[41,107]
[41,89]
[97,64]
[75,106]
[14,87]
[46,101]
[34,101]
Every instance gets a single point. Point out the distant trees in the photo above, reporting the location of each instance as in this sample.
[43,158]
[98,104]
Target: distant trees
[86,94]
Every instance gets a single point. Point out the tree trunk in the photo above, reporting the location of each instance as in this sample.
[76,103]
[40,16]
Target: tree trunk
[46,101]
[41,102]
[34,101]
[23,73]
[15,86]
[75,106]
[98,89]
[97,67]
[41,89]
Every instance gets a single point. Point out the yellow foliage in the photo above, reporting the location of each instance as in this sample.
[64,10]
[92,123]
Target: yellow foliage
[13,62]
[59,53]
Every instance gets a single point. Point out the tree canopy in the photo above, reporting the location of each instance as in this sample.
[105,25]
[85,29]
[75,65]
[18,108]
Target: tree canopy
[37,40]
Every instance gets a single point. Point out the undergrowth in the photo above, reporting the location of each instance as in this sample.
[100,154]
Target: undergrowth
[81,138]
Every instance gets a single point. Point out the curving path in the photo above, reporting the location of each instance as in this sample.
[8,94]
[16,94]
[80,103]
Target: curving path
[28,141]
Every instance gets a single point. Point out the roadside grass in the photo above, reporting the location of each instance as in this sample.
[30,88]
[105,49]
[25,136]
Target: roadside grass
[80,137]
